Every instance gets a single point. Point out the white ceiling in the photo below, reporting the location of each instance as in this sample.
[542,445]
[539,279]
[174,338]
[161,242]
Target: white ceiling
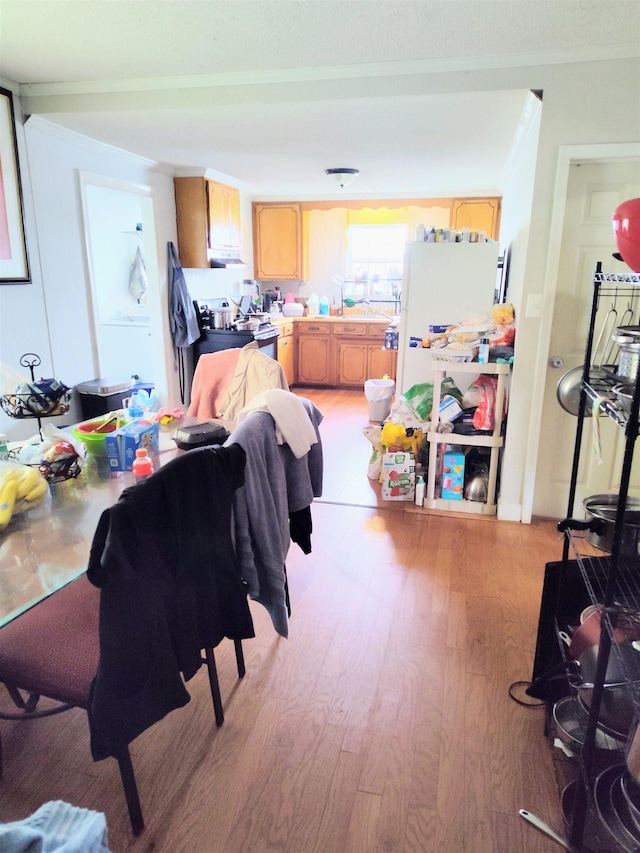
[271,92]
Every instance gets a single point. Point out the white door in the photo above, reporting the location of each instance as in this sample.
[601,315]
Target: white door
[594,192]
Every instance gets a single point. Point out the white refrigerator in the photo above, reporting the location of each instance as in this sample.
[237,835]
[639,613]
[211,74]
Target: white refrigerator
[443,284]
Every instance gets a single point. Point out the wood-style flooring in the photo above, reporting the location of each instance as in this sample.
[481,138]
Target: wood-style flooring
[382,724]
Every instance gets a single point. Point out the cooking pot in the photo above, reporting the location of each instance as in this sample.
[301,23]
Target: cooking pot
[624,395]
[222,318]
[248,325]
[616,707]
[600,511]
[628,341]
[623,666]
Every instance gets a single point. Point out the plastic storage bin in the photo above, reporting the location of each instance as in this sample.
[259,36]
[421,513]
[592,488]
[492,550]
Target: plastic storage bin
[99,396]
[379,393]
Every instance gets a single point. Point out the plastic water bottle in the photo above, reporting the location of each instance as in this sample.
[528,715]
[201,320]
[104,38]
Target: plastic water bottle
[142,466]
[135,406]
[313,305]
[324,306]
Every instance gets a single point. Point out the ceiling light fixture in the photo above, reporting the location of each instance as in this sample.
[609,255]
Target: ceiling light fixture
[343,176]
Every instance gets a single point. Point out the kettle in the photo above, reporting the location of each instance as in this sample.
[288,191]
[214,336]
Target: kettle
[476,489]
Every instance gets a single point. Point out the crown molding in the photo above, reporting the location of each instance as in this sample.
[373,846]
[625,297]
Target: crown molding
[79,139]
[363,70]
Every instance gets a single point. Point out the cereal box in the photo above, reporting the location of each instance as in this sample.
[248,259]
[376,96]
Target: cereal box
[122,444]
[453,475]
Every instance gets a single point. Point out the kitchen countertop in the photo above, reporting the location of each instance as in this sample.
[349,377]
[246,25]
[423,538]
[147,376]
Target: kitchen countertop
[349,318]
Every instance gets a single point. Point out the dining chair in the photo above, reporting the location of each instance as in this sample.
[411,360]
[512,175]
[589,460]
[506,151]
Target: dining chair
[53,650]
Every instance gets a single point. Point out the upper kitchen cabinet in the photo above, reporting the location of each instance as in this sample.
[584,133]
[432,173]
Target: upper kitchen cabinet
[224,217]
[277,241]
[479,214]
[208,219]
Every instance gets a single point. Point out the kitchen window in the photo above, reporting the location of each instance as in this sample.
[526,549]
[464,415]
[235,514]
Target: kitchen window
[376,256]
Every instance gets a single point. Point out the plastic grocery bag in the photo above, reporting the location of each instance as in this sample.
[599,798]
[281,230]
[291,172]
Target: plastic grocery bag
[483,418]
[374,434]
[138,283]
[419,397]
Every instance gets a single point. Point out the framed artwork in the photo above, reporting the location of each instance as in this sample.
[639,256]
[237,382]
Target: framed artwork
[14,262]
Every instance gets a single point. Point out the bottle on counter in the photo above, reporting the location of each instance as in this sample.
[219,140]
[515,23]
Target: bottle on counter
[313,305]
[483,351]
[135,407]
[324,306]
[142,466]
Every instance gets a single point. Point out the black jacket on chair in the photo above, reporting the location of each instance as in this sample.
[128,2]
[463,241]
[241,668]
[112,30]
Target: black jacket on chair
[164,561]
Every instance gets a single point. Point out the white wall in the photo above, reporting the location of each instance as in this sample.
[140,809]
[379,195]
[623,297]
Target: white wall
[517,200]
[52,316]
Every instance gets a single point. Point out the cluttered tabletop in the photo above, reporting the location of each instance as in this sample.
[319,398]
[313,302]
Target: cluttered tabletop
[47,520]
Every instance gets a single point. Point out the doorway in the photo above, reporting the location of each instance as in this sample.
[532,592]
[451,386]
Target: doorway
[127,331]
[592,181]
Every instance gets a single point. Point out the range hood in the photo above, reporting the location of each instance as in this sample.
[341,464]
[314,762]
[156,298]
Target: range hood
[227,259]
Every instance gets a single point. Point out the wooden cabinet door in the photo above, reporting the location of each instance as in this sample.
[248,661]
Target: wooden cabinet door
[285,357]
[314,360]
[192,221]
[233,218]
[381,362]
[277,241]
[479,214]
[352,363]
[224,217]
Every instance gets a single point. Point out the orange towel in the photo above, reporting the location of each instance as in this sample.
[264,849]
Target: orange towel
[211,379]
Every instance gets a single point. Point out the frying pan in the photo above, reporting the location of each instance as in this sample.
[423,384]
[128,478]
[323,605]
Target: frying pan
[568,389]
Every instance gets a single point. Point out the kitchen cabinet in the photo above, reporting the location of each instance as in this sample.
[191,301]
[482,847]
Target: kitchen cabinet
[286,351]
[339,353]
[438,440]
[208,220]
[277,241]
[478,214]
[606,551]
[314,362]
[360,354]
[224,217]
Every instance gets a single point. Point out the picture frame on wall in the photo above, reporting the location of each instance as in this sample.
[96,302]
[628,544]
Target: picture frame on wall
[14,261]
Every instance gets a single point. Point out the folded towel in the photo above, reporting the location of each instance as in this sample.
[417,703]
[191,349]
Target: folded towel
[293,425]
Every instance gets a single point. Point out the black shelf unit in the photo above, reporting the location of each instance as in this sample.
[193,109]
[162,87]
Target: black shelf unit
[610,581]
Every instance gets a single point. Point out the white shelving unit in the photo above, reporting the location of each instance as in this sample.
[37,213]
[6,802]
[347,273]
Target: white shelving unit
[438,439]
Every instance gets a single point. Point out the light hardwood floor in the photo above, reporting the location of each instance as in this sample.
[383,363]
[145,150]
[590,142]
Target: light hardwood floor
[382,724]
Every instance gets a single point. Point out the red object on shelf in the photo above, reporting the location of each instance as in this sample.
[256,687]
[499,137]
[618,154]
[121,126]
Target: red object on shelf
[626,227]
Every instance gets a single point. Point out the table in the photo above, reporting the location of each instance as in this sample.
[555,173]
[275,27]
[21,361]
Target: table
[46,548]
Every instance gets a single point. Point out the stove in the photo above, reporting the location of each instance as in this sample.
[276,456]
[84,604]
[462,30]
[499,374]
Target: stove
[215,340]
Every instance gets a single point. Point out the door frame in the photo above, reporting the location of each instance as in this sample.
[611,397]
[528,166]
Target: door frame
[147,195]
[567,156]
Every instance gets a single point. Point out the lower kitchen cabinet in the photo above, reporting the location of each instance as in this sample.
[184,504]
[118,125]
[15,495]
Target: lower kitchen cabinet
[314,359]
[286,352]
[343,354]
[381,362]
[352,363]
